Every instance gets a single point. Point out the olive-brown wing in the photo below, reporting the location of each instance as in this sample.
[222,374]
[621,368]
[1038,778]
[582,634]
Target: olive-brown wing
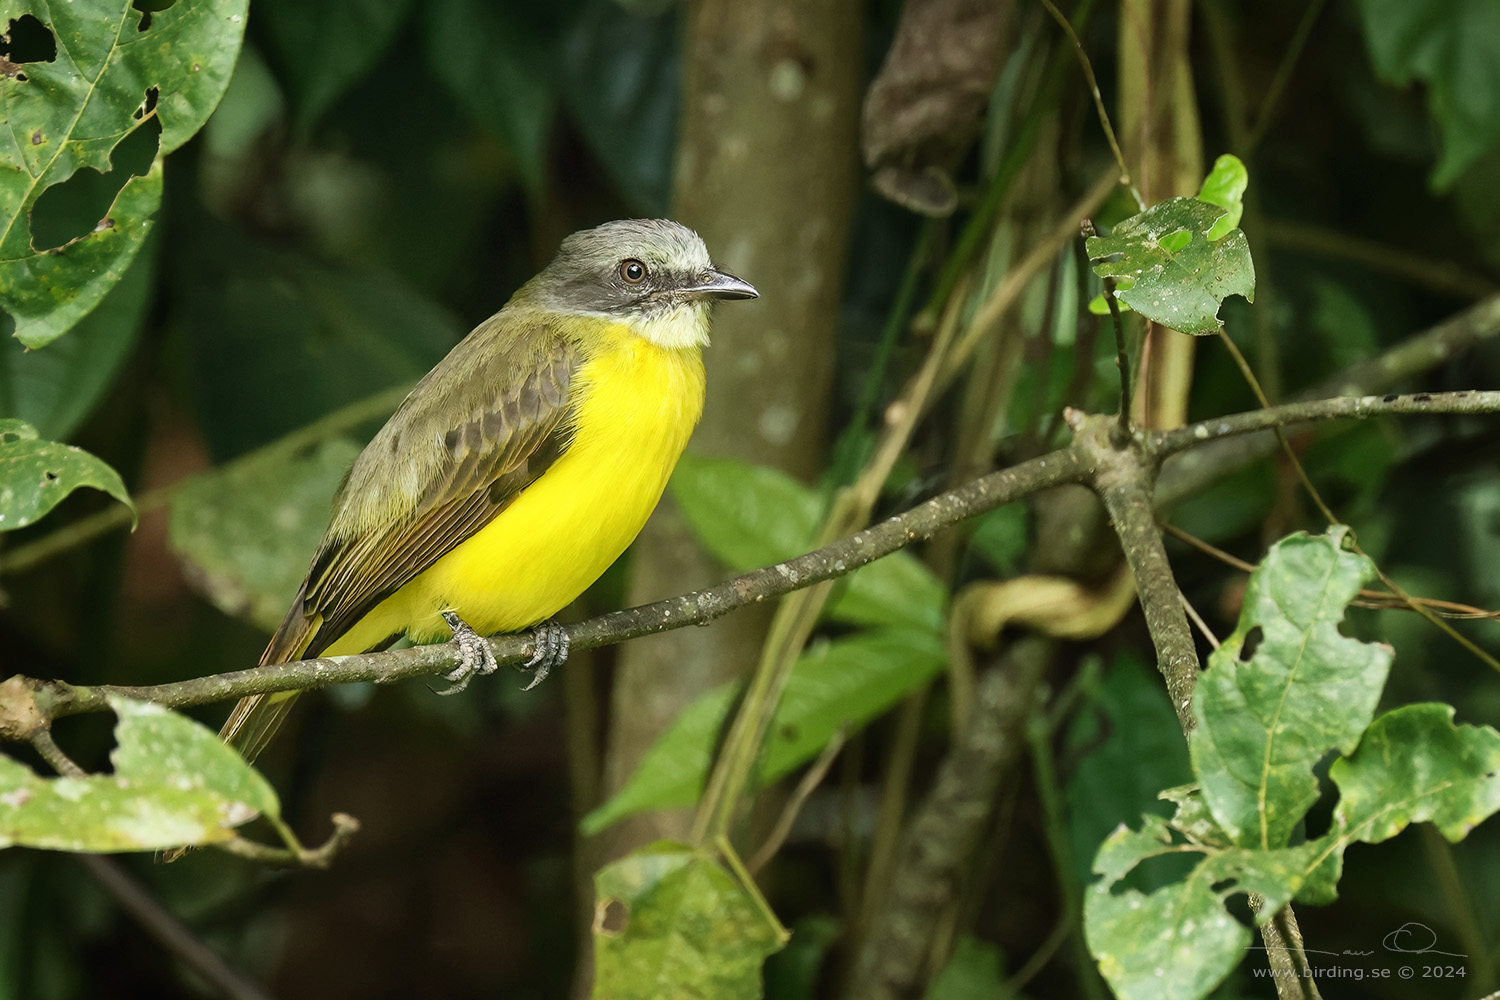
[505,439]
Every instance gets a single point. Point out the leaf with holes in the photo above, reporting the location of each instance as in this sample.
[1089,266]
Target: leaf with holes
[174,783]
[1266,719]
[35,475]
[1179,941]
[669,921]
[80,77]
[1413,765]
[1168,269]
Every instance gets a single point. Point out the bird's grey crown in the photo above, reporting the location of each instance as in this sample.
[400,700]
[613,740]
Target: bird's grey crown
[585,275]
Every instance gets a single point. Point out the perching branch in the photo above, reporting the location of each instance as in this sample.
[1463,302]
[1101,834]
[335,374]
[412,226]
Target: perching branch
[1167,443]
[28,705]
[1190,472]
[1122,479]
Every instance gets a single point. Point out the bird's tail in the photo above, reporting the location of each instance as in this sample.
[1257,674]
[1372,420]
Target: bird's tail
[256,718]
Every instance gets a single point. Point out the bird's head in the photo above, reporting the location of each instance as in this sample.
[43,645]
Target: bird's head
[652,274]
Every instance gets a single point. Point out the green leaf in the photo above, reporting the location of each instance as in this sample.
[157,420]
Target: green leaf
[269,325]
[1177,942]
[671,922]
[1142,751]
[1168,270]
[847,681]
[1306,689]
[622,84]
[35,475]
[55,389]
[1225,187]
[796,972]
[1453,47]
[974,972]
[249,531]
[325,47]
[1412,766]
[70,113]
[749,516]
[896,590]
[494,59]
[174,783]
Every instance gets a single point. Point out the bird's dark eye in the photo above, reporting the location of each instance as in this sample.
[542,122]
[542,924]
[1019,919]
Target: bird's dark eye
[633,271]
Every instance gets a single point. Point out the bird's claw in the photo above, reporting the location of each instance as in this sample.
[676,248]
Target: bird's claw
[550,642]
[476,657]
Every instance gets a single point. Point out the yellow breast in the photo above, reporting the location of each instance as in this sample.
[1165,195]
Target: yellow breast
[636,405]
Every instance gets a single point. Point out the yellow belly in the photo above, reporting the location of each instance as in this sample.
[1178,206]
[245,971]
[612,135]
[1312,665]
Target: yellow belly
[638,405]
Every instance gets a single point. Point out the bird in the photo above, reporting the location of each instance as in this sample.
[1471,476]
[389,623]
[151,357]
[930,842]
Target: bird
[518,469]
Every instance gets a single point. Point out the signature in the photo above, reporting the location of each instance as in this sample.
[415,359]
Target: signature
[1411,938]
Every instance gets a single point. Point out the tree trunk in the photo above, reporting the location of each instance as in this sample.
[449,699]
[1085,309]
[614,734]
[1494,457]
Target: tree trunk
[766,174]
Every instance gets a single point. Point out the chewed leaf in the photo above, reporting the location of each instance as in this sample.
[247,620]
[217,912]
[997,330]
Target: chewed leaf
[110,70]
[1267,716]
[669,921]
[1169,269]
[1414,765]
[35,475]
[174,783]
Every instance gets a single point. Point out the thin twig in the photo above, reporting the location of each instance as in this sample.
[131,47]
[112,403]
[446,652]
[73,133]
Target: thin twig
[169,932]
[1289,60]
[1170,442]
[1374,599]
[1197,619]
[809,784]
[1088,72]
[42,740]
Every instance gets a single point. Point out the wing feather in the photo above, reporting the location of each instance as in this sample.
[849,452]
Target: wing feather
[493,433]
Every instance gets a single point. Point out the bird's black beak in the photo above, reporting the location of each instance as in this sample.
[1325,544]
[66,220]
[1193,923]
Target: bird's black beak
[715,284]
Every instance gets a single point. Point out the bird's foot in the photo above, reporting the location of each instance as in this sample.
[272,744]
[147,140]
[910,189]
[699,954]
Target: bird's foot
[476,655]
[550,642]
